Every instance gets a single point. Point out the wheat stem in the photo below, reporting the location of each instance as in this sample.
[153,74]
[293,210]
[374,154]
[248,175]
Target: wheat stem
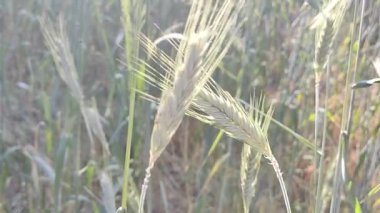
[144,187]
[277,170]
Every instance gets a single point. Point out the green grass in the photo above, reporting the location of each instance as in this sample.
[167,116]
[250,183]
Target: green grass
[55,132]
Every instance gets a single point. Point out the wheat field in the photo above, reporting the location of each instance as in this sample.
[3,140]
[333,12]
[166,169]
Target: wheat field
[189,106]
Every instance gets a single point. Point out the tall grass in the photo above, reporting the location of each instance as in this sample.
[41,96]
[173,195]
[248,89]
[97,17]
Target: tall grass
[132,11]
[75,136]
[344,138]
[327,24]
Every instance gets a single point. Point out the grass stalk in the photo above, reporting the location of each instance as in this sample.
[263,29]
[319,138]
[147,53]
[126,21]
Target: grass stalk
[320,180]
[131,46]
[339,176]
[280,179]
[223,111]
[328,22]
[175,101]
[324,40]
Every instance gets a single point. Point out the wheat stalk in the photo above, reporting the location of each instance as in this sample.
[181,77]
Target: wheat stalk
[197,57]
[224,112]
[217,107]
[327,24]
[59,46]
[174,102]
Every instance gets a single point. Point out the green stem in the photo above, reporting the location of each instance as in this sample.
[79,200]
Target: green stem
[128,148]
[318,203]
[346,125]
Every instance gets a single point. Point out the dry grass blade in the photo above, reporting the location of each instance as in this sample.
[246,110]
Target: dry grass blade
[93,122]
[376,64]
[108,194]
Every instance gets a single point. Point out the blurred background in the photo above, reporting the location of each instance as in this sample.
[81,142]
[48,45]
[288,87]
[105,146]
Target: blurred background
[47,162]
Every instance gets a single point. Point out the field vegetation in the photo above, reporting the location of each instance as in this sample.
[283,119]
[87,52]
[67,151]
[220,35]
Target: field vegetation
[190,106]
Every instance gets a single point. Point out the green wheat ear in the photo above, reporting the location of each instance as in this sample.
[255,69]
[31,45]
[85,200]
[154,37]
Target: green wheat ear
[324,37]
[327,24]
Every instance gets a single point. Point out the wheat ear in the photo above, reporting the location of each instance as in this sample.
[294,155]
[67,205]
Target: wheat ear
[59,46]
[223,111]
[217,107]
[204,45]
[327,24]
[173,104]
